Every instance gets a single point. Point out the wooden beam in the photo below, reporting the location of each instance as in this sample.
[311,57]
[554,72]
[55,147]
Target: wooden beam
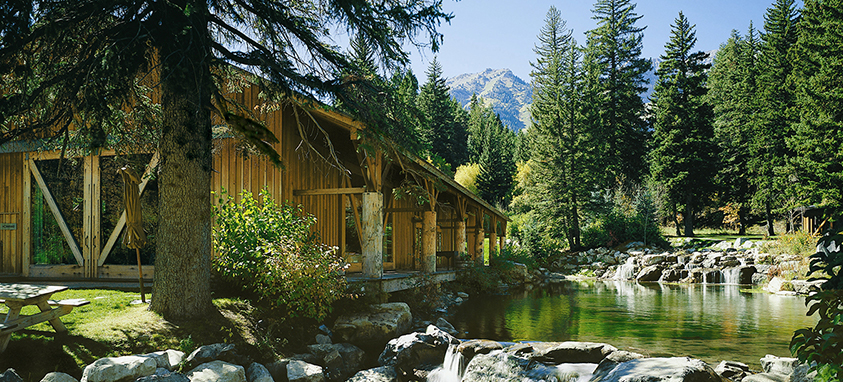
[68,236]
[404,210]
[26,223]
[330,191]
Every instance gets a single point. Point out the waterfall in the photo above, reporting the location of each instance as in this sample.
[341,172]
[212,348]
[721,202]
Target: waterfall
[452,367]
[716,277]
[731,276]
[626,271]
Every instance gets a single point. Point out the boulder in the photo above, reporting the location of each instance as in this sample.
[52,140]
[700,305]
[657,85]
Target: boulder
[215,352]
[278,369]
[258,373]
[300,371]
[504,366]
[410,351]
[554,353]
[781,365]
[652,260]
[806,287]
[379,325]
[766,377]
[517,273]
[803,373]
[651,273]
[778,284]
[469,349]
[10,375]
[323,339]
[167,359]
[164,375]
[217,371]
[443,324]
[671,275]
[119,368]
[462,295]
[676,369]
[58,377]
[759,278]
[735,371]
[378,374]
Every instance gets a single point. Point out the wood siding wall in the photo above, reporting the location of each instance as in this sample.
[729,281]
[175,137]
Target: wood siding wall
[11,212]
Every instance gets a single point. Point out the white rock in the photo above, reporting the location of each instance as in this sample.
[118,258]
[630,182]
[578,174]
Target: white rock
[258,373]
[167,359]
[217,371]
[58,377]
[300,371]
[117,368]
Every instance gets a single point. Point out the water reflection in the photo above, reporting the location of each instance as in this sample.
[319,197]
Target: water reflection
[710,322]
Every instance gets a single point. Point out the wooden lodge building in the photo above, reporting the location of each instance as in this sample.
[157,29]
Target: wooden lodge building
[63,218]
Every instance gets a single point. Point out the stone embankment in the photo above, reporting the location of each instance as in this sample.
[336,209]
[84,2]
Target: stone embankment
[738,262]
[430,353]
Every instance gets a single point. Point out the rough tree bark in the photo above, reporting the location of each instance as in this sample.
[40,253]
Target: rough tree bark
[183,259]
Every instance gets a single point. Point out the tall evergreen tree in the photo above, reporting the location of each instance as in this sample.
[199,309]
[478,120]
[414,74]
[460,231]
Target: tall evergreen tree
[441,131]
[85,59]
[683,158]
[733,94]
[818,79]
[616,78]
[769,151]
[497,164]
[561,148]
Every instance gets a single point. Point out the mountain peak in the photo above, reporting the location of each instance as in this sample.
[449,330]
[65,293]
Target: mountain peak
[509,95]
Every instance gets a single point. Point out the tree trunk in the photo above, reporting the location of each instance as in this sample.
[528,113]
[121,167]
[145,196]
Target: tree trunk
[689,215]
[575,224]
[372,232]
[429,242]
[676,220]
[768,211]
[742,220]
[182,287]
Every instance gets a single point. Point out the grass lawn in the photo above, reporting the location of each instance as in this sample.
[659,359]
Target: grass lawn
[112,326]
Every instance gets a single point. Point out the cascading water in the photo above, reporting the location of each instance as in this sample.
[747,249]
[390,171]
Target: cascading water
[452,368]
[731,276]
[626,271]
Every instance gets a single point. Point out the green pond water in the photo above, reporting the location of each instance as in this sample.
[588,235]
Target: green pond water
[709,322]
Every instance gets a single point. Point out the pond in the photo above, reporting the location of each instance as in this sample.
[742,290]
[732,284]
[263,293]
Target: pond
[709,322]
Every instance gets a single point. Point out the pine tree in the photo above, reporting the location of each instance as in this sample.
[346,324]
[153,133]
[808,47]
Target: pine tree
[733,94]
[560,145]
[769,151]
[616,80]
[683,158]
[497,164]
[818,78]
[441,130]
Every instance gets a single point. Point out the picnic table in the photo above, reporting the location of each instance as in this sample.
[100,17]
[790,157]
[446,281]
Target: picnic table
[17,295]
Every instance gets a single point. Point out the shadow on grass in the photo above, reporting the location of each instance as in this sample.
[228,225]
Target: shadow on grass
[34,353]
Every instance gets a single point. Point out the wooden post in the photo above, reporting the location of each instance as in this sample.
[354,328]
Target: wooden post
[462,244]
[429,242]
[493,238]
[26,223]
[478,245]
[372,235]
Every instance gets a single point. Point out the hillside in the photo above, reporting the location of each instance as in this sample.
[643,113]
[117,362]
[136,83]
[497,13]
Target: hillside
[510,95]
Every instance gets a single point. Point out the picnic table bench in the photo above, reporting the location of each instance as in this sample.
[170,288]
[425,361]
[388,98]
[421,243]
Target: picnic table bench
[16,296]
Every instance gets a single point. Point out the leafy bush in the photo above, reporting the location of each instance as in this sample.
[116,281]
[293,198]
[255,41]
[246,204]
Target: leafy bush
[478,279]
[272,251]
[823,343]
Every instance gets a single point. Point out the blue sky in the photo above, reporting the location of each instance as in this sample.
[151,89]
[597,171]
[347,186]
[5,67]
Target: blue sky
[501,34]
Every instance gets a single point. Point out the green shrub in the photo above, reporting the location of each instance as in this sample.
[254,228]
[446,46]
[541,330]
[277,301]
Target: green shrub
[823,343]
[272,251]
[478,279]
[626,214]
